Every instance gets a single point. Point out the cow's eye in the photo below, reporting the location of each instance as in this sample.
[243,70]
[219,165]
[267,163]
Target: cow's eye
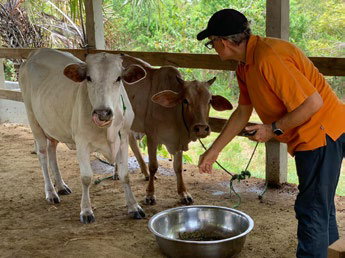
[185,101]
[88,78]
[118,79]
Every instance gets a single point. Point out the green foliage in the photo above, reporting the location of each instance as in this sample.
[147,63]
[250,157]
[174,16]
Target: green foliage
[10,73]
[187,159]
[162,151]
[143,142]
[317,26]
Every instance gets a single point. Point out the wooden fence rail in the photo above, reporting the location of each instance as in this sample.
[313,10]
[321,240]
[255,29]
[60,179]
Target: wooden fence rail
[327,65]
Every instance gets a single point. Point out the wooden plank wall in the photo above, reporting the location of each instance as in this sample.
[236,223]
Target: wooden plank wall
[332,66]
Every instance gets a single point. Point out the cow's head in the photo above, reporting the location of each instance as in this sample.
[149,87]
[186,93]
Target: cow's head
[103,74]
[196,100]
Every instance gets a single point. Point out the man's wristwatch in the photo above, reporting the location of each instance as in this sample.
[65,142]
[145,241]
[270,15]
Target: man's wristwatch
[276,131]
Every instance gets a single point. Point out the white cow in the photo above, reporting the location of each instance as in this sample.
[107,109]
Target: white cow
[84,105]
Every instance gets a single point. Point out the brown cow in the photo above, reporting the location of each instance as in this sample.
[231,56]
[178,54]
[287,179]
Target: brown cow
[172,112]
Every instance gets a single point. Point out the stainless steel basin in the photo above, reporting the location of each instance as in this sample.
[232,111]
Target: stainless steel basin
[201,231]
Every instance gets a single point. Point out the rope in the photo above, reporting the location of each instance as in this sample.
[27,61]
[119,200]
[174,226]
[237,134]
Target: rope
[239,177]
[107,163]
[263,190]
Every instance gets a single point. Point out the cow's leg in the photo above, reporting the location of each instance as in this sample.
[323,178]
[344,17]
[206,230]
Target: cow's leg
[153,166]
[41,144]
[185,197]
[83,154]
[35,150]
[134,210]
[62,188]
[135,148]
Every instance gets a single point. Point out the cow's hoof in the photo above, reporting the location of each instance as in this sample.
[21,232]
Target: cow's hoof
[65,191]
[139,214]
[87,218]
[150,200]
[187,200]
[52,198]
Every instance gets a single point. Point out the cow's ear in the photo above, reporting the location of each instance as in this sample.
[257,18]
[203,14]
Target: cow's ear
[180,80]
[210,82]
[220,103]
[166,98]
[75,72]
[133,74]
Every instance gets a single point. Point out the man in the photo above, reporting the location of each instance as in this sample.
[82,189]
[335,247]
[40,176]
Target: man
[296,106]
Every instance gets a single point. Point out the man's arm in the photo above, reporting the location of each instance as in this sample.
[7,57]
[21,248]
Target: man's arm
[237,121]
[300,115]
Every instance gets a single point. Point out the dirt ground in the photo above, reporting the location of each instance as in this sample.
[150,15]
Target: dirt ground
[30,227]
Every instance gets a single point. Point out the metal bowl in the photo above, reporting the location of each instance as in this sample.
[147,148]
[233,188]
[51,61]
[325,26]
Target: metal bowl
[201,231]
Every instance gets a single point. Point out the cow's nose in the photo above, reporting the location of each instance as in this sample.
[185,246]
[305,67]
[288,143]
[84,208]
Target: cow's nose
[201,130]
[104,114]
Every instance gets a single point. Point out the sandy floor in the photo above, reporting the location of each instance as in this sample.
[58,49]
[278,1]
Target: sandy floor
[32,228]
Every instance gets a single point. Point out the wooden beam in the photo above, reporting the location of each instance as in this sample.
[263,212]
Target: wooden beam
[11,95]
[327,65]
[217,124]
[202,61]
[94,24]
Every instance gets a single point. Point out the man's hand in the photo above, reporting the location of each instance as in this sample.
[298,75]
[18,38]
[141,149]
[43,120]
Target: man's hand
[206,161]
[263,132]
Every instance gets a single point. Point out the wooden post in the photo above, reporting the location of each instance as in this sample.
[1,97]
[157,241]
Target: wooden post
[277,19]
[94,24]
[277,25]
[2,74]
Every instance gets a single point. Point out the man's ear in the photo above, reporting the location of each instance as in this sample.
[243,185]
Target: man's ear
[226,42]
[166,98]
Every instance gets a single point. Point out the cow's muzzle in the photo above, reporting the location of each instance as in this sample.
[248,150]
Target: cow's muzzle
[102,117]
[201,130]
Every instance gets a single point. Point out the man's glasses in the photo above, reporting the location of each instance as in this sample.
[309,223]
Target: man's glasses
[210,44]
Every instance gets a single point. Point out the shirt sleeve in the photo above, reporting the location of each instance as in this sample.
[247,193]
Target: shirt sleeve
[286,81]
[244,98]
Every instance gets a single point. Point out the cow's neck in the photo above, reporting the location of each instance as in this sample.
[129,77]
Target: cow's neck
[184,138]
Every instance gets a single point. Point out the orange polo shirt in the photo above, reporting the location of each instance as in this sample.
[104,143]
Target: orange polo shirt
[276,79]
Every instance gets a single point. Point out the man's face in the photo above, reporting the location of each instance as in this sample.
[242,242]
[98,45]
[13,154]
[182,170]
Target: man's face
[217,44]
[223,47]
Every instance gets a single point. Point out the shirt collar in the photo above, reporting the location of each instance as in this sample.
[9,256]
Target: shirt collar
[250,49]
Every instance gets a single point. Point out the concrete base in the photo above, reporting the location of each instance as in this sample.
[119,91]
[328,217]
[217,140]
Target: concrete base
[12,111]
[337,249]
[276,163]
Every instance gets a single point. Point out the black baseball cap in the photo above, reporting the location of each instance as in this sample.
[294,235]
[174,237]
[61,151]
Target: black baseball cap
[225,22]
